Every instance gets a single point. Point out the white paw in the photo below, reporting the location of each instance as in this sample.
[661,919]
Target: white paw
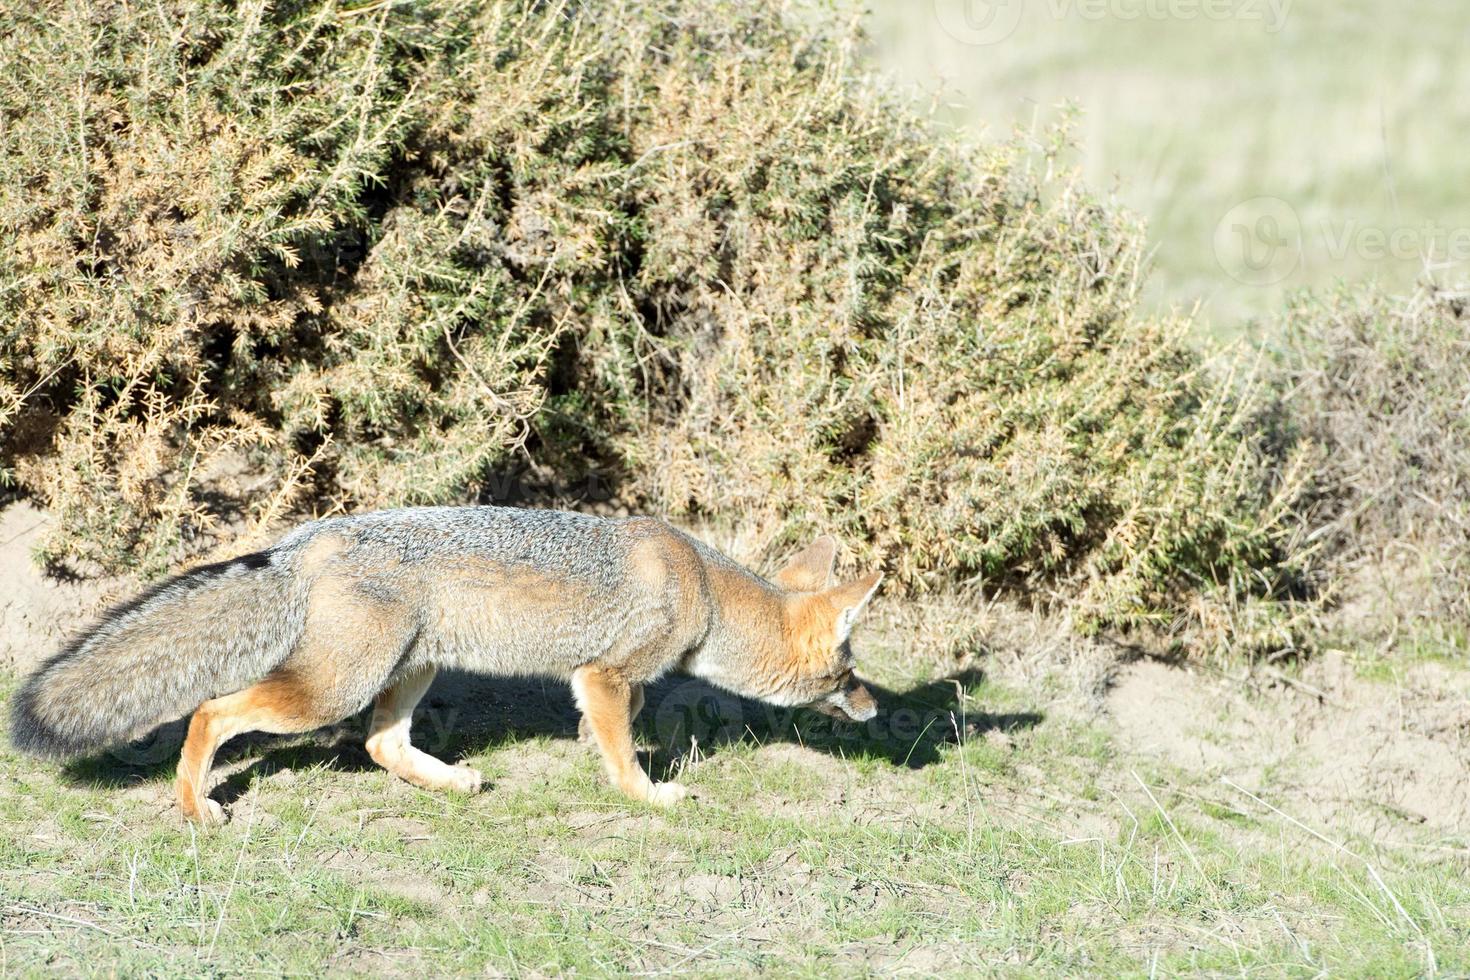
[210,814]
[666,794]
[584,732]
[463,779]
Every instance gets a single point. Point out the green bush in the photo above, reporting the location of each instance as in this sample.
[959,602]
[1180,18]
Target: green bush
[390,253]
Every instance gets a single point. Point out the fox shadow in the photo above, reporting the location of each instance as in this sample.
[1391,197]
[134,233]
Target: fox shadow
[465,714]
[910,729]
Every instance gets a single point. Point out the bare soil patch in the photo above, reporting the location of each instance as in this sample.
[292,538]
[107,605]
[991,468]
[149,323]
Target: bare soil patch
[1343,749]
[38,611]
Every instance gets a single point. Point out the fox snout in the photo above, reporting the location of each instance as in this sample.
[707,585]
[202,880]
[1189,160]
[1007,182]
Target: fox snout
[852,701]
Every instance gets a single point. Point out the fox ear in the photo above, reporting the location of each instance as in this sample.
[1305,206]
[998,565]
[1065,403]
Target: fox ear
[811,569]
[851,599]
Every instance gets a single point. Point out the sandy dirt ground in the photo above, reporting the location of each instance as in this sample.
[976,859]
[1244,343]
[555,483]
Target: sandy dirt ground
[1349,751]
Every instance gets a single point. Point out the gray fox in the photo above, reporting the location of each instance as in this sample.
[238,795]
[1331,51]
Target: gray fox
[346,610]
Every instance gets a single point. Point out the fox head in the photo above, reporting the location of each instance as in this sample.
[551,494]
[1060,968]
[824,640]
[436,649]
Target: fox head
[817,630]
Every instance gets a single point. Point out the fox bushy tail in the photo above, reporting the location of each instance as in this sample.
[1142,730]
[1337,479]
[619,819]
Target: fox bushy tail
[210,631]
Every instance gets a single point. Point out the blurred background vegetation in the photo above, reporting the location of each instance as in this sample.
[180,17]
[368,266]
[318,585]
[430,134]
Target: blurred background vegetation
[1350,113]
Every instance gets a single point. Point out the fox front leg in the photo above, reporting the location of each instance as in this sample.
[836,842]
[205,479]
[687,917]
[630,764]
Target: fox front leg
[608,704]
[388,740]
[584,728]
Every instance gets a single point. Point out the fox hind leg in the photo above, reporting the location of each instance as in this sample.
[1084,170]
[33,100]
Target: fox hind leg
[388,740]
[280,704]
[607,701]
[351,643]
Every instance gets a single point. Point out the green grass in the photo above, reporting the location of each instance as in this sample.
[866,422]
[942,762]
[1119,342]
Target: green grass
[1032,846]
[1422,642]
[1348,112]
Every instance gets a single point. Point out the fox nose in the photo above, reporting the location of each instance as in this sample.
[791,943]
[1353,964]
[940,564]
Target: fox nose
[860,705]
[854,702]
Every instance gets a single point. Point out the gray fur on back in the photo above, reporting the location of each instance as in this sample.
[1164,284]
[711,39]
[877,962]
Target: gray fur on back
[504,590]
[576,544]
[511,591]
